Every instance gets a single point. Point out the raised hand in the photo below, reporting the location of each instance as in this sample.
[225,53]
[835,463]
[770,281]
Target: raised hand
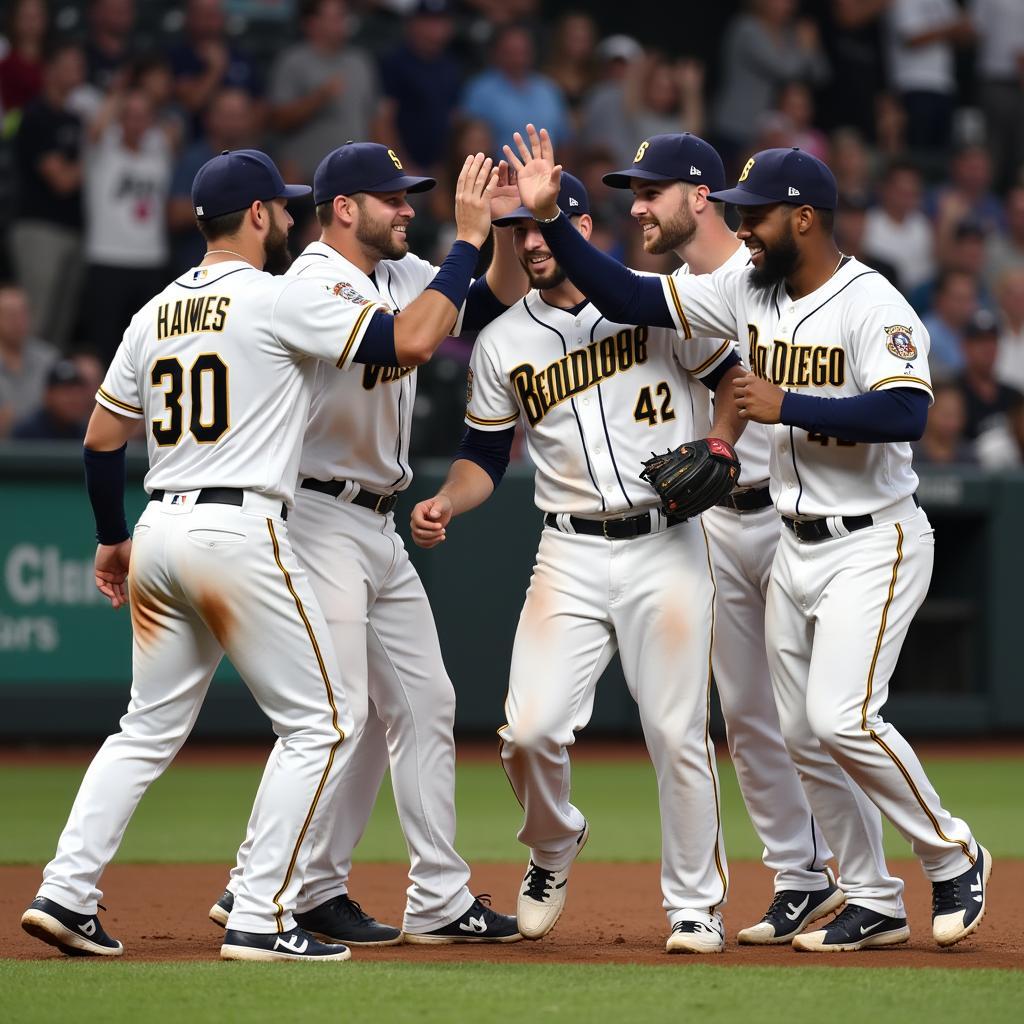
[505,198]
[538,175]
[474,190]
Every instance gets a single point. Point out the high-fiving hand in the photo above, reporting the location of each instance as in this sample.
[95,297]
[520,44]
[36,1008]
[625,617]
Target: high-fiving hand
[505,197]
[474,191]
[538,175]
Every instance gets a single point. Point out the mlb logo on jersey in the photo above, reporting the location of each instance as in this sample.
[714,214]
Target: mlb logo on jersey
[179,499]
[900,343]
[199,275]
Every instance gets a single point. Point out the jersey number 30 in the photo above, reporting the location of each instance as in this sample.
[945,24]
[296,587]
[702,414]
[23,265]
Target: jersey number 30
[207,399]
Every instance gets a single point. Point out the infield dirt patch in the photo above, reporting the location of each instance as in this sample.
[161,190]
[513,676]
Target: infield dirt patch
[613,916]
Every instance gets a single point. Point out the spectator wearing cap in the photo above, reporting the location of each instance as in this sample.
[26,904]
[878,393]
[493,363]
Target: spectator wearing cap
[108,44]
[1010,361]
[46,237]
[943,442]
[604,119]
[65,409]
[897,229]
[21,68]
[987,400]
[512,92]
[24,359]
[322,90]
[421,80]
[965,252]
[954,304]
[1006,249]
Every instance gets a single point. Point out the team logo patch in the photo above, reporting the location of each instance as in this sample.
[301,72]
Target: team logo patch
[900,343]
[469,386]
[346,291]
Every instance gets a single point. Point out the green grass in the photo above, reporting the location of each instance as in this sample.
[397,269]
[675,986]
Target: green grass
[485,993]
[205,810]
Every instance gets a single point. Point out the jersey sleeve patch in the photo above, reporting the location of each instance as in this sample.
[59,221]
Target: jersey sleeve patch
[116,405]
[900,342]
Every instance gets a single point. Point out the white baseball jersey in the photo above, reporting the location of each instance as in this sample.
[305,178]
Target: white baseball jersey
[360,422]
[854,334]
[596,399]
[219,363]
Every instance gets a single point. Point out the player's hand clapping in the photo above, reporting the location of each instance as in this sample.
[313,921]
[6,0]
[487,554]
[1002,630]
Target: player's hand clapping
[474,191]
[111,571]
[429,519]
[757,399]
[538,175]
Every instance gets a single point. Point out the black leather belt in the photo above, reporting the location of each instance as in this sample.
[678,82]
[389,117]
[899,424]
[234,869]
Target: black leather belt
[747,501]
[613,529]
[218,496]
[382,504]
[810,531]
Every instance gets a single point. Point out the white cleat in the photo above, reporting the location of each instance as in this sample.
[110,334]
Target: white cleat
[703,935]
[542,896]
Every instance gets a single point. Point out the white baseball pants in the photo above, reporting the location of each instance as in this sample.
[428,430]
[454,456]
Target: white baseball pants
[205,580]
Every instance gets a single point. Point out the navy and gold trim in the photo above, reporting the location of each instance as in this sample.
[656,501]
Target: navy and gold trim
[901,380]
[108,397]
[505,420]
[334,722]
[355,332]
[867,701]
[679,307]
[698,370]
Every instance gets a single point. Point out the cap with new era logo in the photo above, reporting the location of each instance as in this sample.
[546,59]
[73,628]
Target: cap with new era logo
[679,157]
[235,180]
[783,176]
[572,200]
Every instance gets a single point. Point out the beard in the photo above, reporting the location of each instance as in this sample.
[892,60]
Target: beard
[673,233]
[276,257]
[376,238]
[544,282]
[777,263]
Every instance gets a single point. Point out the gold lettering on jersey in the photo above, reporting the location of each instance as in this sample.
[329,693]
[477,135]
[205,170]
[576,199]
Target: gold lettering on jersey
[797,366]
[374,375]
[540,391]
[204,314]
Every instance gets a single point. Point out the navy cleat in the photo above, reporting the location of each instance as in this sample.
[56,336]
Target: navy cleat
[478,924]
[221,910]
[343,920]
[294,944]
[790,912]
[959,904]
[855,928]
[73,934]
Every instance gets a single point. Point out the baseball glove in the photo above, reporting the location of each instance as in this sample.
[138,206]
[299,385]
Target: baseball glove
[693,477]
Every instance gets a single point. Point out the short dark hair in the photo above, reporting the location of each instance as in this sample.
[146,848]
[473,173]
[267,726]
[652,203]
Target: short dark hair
[219,227]
[826,218]
[325,213]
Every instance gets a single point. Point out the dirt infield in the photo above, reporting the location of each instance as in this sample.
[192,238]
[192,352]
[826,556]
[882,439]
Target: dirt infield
[614,916]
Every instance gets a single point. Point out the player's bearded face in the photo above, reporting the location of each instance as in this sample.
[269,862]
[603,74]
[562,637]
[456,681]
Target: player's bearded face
[277,258]
[775,258]
[381,228]
[664,232]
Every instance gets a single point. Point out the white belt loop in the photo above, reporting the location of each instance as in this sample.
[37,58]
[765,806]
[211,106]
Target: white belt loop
[564,521]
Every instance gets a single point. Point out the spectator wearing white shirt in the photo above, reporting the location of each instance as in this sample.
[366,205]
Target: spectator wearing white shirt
[897,230]
[1010,361]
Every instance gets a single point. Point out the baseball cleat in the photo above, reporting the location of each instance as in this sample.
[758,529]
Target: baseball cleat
[73,934]
[342,920]
[542,897]
[294,944]
[705,935]
[790,912]
[221,910]
[478,924]
[959,904]
[855,928]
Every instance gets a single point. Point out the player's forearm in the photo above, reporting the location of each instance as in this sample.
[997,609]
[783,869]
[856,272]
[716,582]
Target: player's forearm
[620,294]
[727,422]
[505,276]
[467,486]
[105,472]
[898,414]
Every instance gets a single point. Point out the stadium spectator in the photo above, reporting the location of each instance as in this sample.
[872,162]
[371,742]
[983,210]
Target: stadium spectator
[966,196]
[851,165]
[512,92]
[999,25]
[943,442]
[205,60]
[966,252]
[21,69]
[127,179]
[108,45]
[24,359]
[1010,361]
[663,96]
[796,104]
[921,38]
[1006,250]
[230,123]
[954,305]
[762,49]
[322,90]
[987,400]
[46,237]
[604,120]
[851,227]
[421,80]
[66,404]
[572,62]
[432,230]
[898,231]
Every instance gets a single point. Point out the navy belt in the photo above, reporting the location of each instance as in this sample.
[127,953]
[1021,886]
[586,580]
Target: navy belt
[218,496]
[382,504]
[613,529]
[810,531]
[747,501]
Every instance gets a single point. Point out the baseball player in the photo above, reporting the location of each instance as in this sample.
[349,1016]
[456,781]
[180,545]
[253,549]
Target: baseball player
[671,178]
[612,572]
[839,368]
[221,364]
[355,463]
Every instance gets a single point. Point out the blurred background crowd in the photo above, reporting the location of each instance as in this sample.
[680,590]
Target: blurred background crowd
[109,107]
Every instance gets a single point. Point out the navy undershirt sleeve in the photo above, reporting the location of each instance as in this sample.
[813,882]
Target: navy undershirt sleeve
[453,277]
[489,449]
[897,414]
[622,295]
[713,379]
[482,306]
[378,345]
[105,475]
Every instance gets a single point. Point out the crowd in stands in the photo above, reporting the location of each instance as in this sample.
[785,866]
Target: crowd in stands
[109,107]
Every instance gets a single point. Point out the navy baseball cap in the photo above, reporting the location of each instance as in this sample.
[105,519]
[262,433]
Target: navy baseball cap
[783,176]
[682,157]
[235,180]
[572,201]
[363,167]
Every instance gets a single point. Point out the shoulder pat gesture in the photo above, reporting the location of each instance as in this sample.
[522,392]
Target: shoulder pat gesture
[538,176]
[473,193]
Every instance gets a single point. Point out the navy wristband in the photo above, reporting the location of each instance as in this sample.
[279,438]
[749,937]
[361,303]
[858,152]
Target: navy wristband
[105,475]
[454,276]
[489,449]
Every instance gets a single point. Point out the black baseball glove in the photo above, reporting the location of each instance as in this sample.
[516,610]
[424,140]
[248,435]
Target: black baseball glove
[693,477]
